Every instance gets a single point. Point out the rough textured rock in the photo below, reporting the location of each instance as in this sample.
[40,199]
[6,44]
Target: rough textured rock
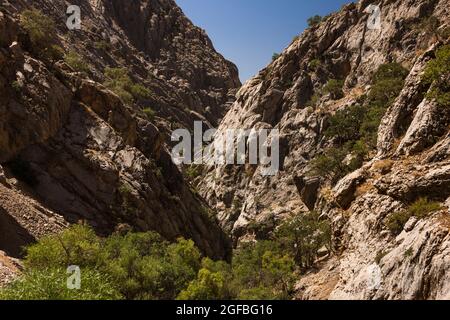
[71,150]
[411,160]
[277,98]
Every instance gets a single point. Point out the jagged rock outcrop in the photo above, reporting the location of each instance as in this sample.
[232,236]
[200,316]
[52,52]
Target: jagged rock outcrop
[73,151]
[411,160]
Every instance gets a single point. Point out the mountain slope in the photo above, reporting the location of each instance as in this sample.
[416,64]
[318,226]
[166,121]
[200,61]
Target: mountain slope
[74,150]
[332,69]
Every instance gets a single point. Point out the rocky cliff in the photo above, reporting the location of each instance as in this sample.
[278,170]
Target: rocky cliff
[328,69]
[79,144]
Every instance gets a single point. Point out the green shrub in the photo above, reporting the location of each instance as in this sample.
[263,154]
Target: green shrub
[355,128]
[102,45]
[423,207]
[396,221]
[334,88]
[51,284]
[145,266]
[275,56]
[444,33]
[314,20]
[262,264]
[16,86]
[76,62]
[419,209]
[149,113]
[194,171]
[345,124]
[120,83]
[208,286]
[437,74]
[302,236]
[331,164]
[315,64]
[39,27]
[141,265]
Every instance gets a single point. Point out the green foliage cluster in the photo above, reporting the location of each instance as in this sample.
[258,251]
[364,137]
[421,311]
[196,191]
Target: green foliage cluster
[41,30]
[194,171]
[145,266]
[419,209]
[437,74]
[334,88]
[76,62]
[354,129]
[314,20]
[275,56]
[118,81]
[149,113]
[50,284]
[315,64]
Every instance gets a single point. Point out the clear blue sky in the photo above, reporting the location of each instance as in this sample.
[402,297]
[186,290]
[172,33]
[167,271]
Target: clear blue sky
[248,32]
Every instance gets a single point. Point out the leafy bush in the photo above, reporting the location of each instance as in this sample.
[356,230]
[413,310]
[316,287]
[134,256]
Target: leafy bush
[314,20]
[149,112]
[76,62]
[345,125]
[354,129]
[194,171]
[141,265]
[262,265]
[423,207]
[275,56]
[396,221]
[419,209]
[102,45]
[51,284]
[303,236]
[145,266]
[120,83]
[208,286]
[315,64]
[41,30]
[16,86]
[334,88]
[437,74]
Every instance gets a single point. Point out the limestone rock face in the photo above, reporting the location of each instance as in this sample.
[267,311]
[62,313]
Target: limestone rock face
[411,160]
[73,151]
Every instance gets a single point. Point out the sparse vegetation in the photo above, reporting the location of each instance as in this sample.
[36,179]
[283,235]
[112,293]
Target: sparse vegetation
[314,20]
[102,45]
[76,62]
[380,255]
[354,129]
[16,86]
[275,56]
[145,266]
[118,81]
[437,74]
[334,88]
[193,171]
[314,64]
[39,27]
[419,209]
[42,33]
[149,113]
[302,236]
